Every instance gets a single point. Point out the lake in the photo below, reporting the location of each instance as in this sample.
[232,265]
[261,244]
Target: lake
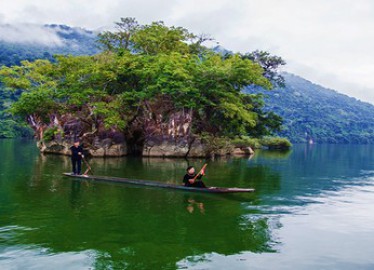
[313,209]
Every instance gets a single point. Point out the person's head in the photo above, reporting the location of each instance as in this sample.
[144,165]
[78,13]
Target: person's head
[76,143]
[190,170]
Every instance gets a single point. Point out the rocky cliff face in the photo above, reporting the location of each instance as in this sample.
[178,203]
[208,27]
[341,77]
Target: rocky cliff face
[102,149]
[58,136]
[152,135]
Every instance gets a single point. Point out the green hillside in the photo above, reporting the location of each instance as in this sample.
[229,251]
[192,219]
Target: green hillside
[312,112]
[75,41]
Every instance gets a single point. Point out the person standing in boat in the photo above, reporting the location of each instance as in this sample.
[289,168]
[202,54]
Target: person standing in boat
[193,180]
[76,157]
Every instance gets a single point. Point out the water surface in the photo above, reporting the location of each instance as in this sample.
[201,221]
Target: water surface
[313,209]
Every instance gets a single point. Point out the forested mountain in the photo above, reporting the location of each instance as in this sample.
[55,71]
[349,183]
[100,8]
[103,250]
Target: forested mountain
[312,112]
[75,41]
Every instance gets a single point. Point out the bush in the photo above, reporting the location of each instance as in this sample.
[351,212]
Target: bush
[276,143]
[245,141]
[223,145]
[216,145]
[50,134]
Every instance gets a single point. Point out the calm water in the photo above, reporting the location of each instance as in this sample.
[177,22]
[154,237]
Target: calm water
[313,209]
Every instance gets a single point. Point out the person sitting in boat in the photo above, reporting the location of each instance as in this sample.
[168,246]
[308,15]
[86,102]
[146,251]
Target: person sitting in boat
[193,180]
[76,157]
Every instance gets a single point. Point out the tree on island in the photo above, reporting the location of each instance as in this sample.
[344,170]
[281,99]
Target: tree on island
[152,83]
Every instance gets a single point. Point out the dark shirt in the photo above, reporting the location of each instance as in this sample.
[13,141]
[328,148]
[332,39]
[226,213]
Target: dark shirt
[75,151]
[188,177]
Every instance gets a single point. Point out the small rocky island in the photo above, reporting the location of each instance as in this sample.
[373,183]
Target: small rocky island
[153,91]
[171,139]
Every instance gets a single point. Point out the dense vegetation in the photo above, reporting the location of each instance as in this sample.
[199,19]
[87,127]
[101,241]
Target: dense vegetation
[11,127]
[311,112]
[74,41]
[147,73]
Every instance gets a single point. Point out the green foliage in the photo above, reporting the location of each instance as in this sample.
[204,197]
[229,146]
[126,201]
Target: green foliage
[110,112]
[11,129]
[51,133]
[257,143]
[76,42]
[146,70]
[37,102]
[120,39]
[312,112]
[246,141]
[276,143]
[215,144]
[158,38]
[270,64]
[267,122]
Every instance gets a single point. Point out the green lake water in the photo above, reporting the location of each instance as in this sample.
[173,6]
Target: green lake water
[313,209]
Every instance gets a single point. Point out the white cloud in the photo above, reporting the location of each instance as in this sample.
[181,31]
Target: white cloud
[316,37]
[29,33]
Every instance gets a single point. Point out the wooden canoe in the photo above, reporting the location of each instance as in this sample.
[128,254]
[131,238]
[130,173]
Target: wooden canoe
[158,184]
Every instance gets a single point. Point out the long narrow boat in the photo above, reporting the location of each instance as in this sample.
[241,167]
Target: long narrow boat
[159,184]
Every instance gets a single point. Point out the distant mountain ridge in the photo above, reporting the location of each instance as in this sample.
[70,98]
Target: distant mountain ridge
[320,115]
[64,40]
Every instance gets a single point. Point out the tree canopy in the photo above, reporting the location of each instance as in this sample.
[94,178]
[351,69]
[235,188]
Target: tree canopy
[147,72]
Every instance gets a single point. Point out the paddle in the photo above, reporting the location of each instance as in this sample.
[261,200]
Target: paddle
[200,172]
[88,166]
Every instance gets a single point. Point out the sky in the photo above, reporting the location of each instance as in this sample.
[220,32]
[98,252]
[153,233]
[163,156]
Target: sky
[329,42]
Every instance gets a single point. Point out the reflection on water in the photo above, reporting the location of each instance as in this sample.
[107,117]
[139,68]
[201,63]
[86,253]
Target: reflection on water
[192,205]
[46,219]
[274,154]
[332,234]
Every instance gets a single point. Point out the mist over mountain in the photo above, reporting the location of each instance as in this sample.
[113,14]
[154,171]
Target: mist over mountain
[30,42]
